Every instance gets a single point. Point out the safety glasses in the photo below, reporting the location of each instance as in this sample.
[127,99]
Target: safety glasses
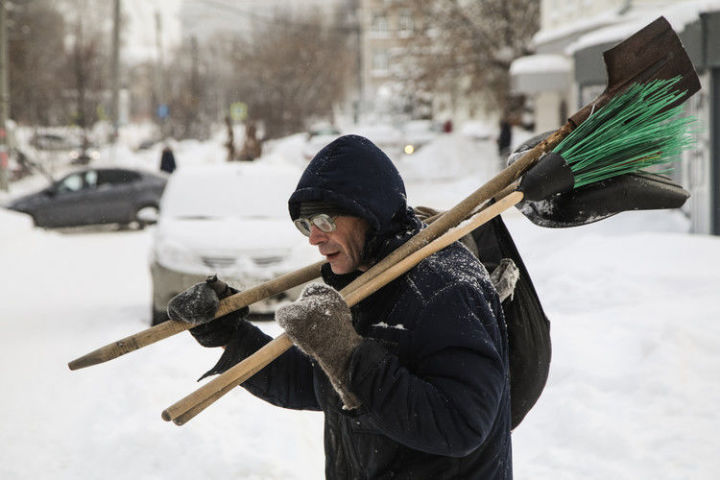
[323,221]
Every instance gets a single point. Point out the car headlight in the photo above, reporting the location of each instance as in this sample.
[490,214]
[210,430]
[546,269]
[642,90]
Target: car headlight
[174,256]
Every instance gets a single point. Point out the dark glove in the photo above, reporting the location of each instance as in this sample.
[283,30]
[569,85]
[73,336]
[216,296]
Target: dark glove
[320,324]
[197,305]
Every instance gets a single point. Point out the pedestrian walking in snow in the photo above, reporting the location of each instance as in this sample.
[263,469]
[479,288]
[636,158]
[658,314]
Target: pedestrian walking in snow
[414,380]
[504,141]
[167,160]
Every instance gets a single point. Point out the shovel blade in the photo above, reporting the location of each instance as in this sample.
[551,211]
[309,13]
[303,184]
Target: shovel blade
[652,53]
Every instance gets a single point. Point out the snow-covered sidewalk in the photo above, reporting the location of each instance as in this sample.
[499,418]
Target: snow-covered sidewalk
[633,390]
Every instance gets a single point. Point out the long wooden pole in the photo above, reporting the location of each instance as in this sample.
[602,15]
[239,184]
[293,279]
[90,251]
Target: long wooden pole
[171,327]
[188,407]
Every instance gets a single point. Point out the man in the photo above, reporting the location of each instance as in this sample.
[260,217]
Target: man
[414,380]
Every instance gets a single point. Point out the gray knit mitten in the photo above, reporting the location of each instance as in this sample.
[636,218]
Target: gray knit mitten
[504,278]
[320,324]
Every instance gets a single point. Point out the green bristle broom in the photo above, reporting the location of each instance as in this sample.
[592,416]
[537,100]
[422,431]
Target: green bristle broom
[633,132]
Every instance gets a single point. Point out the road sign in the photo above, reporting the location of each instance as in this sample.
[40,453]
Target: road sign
[163,111]
[238,111]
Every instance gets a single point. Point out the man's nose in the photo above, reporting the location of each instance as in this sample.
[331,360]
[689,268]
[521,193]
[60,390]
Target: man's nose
[317,236]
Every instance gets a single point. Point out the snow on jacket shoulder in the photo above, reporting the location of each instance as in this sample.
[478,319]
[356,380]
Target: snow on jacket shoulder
[432,375]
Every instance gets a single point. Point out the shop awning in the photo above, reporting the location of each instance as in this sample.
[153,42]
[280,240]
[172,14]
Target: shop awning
[540,73]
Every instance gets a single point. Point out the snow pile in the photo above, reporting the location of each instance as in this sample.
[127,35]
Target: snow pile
[632,393]
[447,157]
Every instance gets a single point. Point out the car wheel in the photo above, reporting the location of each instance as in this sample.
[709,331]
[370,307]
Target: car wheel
[159,316]
[146,215]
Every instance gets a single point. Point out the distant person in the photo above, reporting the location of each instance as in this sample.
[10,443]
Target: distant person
[251,148]
[504,140]
[167,160]
[448,126]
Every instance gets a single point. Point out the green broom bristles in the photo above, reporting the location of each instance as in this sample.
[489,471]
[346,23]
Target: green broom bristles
[628,134]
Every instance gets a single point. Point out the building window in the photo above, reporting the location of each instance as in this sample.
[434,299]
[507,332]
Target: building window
[405,23]
[379,25]
[380,62]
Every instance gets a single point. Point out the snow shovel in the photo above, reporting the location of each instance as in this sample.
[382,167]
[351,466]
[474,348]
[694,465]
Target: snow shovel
[653,52]
[681,82]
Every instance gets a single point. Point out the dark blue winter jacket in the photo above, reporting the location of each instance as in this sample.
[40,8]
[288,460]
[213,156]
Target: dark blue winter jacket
[432,373]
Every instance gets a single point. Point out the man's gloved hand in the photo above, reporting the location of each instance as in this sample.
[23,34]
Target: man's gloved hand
[197,305]
[504,277]
[320,324]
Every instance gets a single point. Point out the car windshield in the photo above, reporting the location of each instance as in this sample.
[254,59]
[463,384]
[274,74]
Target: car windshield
[209,194]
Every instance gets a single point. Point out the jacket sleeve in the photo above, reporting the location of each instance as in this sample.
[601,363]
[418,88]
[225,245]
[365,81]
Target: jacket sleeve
[453,396]
[286,382]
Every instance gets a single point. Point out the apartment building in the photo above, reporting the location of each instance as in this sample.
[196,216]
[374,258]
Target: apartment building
[567,72]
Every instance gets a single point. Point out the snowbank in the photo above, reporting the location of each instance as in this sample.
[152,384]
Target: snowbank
[632,393]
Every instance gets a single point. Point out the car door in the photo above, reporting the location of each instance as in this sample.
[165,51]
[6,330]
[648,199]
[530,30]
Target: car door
[113,199]
[69,205]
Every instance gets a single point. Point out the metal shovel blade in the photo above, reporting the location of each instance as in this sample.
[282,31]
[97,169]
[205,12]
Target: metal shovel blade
[653,53]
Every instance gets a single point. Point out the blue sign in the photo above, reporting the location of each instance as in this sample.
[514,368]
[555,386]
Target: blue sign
[163,111]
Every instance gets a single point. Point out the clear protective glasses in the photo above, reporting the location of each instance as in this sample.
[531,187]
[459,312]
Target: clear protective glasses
[323,221]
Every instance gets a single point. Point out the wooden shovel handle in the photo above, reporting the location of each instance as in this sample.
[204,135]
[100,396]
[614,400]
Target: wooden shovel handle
[188,407]
[171,327]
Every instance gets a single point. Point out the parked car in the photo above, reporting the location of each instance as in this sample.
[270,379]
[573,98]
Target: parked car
[95,196]
[231,220]
[53,141]
[387,137]
[317,137]
[417,134]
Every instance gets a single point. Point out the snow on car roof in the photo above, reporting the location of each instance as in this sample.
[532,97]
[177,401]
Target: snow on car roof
[236,190]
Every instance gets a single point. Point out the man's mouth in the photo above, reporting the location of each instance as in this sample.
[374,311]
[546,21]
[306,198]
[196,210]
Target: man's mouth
[331,256]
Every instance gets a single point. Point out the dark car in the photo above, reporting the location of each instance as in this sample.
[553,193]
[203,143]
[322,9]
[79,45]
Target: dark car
[95,196]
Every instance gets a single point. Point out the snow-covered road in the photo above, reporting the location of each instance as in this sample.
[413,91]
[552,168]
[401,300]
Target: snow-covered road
[633,390]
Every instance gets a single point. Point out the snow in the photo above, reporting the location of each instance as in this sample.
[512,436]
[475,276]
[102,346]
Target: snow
[678,15]
[610,25]
[632,393]
[540,63]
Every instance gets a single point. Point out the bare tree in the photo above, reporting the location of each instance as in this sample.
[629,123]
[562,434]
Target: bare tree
[290,72]
[466,47]
[85,74]
[36,61]
[187,79]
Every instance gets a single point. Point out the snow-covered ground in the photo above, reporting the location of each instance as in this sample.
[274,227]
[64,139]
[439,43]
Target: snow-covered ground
[633,390]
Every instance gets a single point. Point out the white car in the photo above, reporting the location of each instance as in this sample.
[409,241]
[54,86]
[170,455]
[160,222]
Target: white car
[417,134]
[317,138]
[229,219]
[388,138]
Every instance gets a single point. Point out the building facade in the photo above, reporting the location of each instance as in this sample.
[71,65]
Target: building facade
[567,72]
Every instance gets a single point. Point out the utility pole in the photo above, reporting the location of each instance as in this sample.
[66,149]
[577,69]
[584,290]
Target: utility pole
[4,100]
[115,73]
[357,114]
[160,86]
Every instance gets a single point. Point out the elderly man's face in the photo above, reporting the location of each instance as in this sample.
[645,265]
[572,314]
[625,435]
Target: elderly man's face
[342,247]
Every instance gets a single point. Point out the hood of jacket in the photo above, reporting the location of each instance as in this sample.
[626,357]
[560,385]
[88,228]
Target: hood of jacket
[354,174]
